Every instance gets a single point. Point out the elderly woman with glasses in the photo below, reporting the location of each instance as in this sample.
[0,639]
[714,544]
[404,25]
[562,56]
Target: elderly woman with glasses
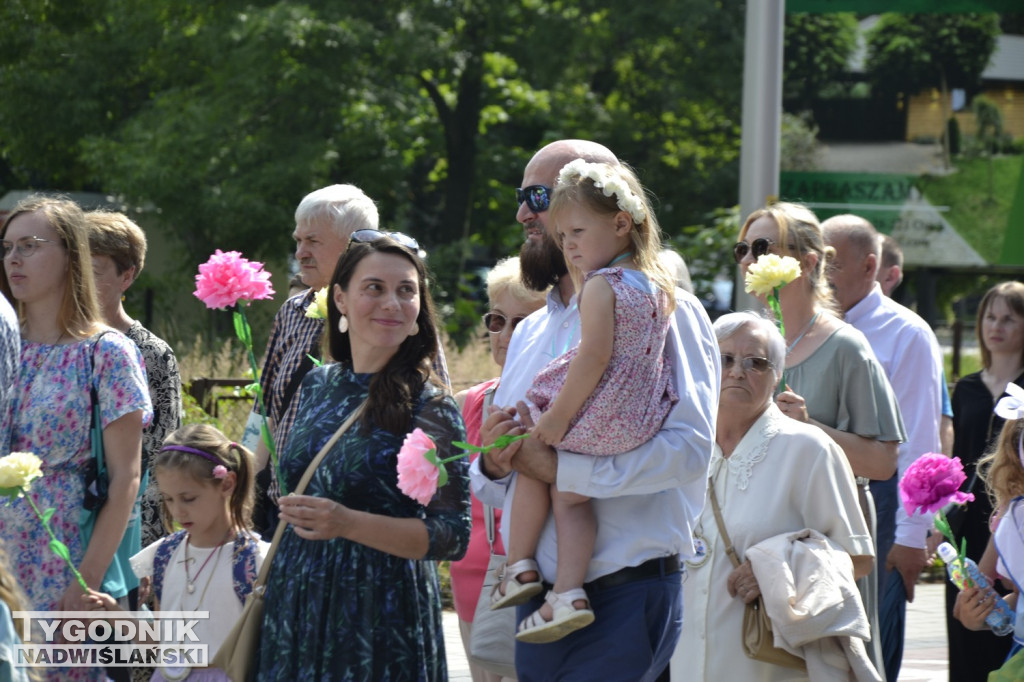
[768,475]
[510,302]
[353,592]
[69,358]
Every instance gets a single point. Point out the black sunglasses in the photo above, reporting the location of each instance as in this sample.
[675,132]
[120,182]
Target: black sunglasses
[750,363]
[758,247]
[537,197]
[495,322]
[370,236]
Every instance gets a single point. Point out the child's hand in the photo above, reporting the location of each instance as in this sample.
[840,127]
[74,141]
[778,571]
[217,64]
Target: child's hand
[973,606]
[98,601]
[549,430]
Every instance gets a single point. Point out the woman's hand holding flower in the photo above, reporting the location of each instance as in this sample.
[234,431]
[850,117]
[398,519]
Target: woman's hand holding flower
[792,405]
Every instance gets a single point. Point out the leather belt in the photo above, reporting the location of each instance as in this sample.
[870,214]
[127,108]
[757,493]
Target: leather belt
[653,568]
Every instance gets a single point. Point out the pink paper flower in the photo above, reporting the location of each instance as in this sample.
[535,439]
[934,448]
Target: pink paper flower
[227,278]
[220,471]
[418,471]
[932,482]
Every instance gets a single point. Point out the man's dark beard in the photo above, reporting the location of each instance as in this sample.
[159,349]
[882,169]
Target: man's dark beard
[541,263]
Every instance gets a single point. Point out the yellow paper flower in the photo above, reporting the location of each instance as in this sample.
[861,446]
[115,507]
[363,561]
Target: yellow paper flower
[771,271]
[18,470]
[317,310]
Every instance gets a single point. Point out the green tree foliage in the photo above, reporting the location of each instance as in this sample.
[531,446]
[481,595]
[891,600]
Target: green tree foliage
[909,52]
[215,118]
[817,52]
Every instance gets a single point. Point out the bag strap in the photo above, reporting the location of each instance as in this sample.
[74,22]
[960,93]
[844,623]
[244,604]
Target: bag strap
[729,549]
[96,433]
[303,482]
[489,523]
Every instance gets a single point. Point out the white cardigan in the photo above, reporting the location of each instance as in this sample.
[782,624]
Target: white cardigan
[810,595]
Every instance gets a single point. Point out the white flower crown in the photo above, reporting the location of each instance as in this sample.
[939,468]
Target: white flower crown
[608,183]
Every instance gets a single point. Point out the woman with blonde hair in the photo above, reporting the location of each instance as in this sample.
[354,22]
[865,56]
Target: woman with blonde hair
[832,378]
[510,302]
[68,356]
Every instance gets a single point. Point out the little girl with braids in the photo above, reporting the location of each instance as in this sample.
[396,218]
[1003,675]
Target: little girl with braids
[605,397]
[206,484]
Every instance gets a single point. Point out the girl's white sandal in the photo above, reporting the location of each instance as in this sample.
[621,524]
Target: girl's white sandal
[567,618]
[516,593]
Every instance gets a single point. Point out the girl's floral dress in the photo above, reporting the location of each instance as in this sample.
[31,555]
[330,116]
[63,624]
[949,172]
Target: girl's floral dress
[51,418]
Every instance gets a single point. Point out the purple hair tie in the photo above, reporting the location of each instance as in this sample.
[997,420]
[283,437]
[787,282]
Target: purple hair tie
[219,470]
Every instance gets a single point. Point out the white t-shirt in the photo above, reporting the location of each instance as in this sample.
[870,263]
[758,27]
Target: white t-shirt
[214,586]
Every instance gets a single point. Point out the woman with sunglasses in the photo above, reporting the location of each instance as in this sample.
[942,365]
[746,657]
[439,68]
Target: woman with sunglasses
[66,350]
[353,591]
[832,378]
[510,302]
[769,475]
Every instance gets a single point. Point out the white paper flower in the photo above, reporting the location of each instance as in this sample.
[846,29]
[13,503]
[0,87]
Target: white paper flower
[609,184]
[771,271]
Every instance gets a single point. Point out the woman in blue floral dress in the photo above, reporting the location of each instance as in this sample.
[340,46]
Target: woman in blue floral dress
[65,349]
[353,591]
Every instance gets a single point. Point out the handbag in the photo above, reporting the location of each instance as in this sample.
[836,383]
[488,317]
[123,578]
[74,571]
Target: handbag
[492,638]
[236,654]
[757,636]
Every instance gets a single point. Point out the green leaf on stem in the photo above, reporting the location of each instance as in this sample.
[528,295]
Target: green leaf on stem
[60,549]
[241,328]
[48,514]
[468,447]
[316,363]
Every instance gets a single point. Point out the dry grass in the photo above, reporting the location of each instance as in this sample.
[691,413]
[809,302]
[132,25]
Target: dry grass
[473,365]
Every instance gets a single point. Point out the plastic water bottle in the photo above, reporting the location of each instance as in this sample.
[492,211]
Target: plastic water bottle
[1001,619]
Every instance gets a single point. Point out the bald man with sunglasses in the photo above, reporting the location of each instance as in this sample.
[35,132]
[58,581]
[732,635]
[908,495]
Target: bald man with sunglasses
[646,501]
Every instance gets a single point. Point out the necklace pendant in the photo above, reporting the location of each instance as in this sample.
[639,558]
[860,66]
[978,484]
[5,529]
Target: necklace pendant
[190,587]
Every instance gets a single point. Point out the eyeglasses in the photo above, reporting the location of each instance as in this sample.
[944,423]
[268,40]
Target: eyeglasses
[370,236]
[758,248]
[26,246]
[749,364]
[495,322]
[537,197]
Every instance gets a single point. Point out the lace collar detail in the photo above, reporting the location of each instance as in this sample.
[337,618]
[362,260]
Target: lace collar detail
[751,449]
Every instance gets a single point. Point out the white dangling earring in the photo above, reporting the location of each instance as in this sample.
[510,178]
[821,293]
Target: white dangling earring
[343,324]
[415,329]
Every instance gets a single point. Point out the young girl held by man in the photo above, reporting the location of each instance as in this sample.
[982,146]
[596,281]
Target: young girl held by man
[605,397]
[211,563]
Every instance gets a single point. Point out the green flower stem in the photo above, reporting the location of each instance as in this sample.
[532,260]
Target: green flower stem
[244,333]
[53,539]
[773,303]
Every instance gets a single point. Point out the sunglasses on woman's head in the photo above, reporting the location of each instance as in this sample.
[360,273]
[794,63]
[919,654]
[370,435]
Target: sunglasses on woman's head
[537,197]
[495,322]
[370,236]
[750,363]
[758,248]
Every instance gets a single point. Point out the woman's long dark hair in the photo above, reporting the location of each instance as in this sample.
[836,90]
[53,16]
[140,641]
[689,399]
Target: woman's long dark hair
[394,389]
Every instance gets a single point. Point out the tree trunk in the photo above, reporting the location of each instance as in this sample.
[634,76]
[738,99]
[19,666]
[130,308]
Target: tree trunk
[945,120]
